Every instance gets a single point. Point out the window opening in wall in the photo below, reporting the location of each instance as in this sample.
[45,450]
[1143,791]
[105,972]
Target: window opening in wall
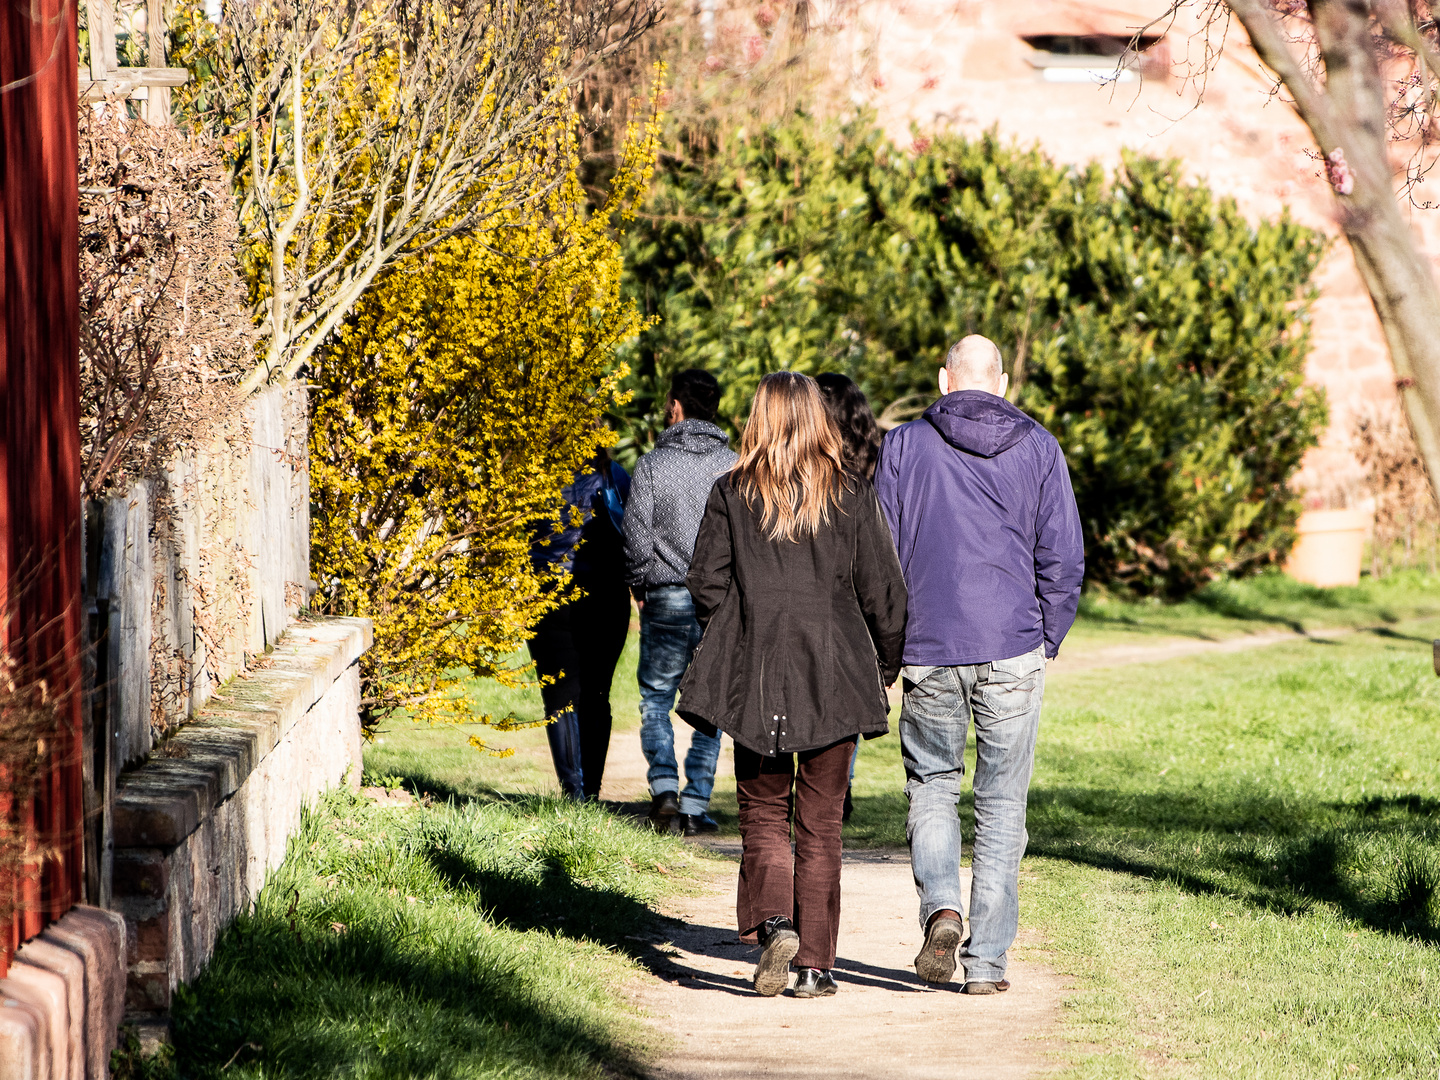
[1093,58]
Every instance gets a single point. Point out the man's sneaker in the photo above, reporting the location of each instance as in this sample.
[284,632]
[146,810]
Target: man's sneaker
[663,810]
[780,943]
[936,960]
[695,824]
[983,987]
[812,982]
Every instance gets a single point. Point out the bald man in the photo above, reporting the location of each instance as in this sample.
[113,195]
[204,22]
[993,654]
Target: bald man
[980,506]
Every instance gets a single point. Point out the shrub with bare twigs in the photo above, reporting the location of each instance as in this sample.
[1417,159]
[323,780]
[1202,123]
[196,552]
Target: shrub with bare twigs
[165,329]
[1407,521]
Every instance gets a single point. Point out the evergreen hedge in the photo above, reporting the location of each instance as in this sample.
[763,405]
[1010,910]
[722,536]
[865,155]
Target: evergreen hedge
[1155,331]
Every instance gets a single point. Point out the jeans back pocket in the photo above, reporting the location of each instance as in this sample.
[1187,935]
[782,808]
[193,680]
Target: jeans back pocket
[1012,686]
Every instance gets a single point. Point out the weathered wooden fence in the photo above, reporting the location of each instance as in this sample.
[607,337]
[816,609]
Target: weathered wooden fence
[105,77]
[187,575]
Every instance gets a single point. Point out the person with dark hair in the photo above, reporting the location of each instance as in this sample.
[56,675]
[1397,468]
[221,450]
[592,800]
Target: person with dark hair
[860,440]
[577,645]
[803,601]
[667,500]
[859,433]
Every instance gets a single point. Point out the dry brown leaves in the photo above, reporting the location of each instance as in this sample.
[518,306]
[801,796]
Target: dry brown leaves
[1406,516]
[165,326]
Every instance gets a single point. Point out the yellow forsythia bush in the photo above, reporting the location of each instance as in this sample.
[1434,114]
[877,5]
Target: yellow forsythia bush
[463,393]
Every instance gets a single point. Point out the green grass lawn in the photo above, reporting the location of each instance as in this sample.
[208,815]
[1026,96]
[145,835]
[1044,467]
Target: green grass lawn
[440,760]
[476,939]
[1239,857]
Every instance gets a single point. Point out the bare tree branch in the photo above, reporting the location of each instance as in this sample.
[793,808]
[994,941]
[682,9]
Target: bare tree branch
[370,132]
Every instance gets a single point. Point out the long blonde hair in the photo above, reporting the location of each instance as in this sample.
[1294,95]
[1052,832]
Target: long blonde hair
[790,457]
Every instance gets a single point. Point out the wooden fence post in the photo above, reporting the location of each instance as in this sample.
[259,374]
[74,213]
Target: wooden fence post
[101,18]
[157,105]
[109,79]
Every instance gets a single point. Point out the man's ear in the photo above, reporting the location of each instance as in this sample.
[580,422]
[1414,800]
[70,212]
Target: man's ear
[1004,385]
[944,382]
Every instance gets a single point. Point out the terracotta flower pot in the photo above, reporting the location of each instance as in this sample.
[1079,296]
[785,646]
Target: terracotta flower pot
[1329,547]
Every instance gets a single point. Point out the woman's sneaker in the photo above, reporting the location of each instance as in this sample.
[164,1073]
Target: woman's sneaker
[812,982]
[780,943]
[936,960]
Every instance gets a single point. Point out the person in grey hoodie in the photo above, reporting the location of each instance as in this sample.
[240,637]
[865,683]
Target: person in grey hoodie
[668,494]
[979,502]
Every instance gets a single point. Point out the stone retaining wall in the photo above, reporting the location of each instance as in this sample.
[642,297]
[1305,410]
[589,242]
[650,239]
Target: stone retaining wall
[200,824]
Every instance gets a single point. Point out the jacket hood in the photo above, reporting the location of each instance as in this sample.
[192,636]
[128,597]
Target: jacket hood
[694,436]
[979,423]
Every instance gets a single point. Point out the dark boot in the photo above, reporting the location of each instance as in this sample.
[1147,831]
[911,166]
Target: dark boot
[695,824]
[780,943]
[663,810]
[983,987]
[935,962]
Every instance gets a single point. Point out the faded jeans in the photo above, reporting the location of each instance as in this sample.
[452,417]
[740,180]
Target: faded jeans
[669,633]
[1003,697]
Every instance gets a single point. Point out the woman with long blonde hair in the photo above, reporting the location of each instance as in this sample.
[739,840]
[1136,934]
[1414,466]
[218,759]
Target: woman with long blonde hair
[798,586]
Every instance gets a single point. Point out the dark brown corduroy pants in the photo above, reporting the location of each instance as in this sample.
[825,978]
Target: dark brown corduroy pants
[806,886]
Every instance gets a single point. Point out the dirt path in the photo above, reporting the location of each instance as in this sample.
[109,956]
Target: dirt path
[1081,659]
[882,1025]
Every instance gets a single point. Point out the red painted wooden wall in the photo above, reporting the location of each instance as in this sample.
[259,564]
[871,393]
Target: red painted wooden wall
[40,614]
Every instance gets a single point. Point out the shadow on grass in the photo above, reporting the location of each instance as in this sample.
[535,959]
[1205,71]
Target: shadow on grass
[422,783]
[396,944]
[310,1002]
[551,901]
[1216,602]
[1230,606]
[1387,632]
[1376,860]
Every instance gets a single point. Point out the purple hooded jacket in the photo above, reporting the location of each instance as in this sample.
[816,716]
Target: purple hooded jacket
[979,502]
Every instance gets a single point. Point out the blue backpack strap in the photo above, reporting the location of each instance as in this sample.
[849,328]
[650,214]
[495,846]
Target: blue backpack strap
[611,494]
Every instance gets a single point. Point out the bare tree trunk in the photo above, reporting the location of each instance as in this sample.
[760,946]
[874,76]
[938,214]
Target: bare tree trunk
[1349,116]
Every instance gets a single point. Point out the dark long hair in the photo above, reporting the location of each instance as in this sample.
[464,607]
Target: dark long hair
[860,434]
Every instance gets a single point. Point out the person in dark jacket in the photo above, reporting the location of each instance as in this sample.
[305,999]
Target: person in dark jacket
[978,498]
[860,439]
[577,645]
[796,582]
[666,503]
[850,409]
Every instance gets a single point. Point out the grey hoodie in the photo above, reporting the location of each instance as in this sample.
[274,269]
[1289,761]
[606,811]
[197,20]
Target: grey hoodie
[667,500]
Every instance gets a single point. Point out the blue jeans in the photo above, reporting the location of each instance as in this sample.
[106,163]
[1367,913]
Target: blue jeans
[1003,697]
[668,636]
